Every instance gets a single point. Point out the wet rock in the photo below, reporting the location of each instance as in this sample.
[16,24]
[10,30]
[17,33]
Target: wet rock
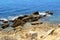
[21,20]
[21,17]
[31,18]
[5,25]
[26,19]
[36,13]
[34,19]
[18,22]
[5,21]
[11,20]
[25,15]
[49,12]
[1,20]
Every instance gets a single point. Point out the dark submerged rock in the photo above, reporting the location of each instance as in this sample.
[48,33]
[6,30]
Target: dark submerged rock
[11,20]
[5,21]
[49,12]
[5,25]
[21,17]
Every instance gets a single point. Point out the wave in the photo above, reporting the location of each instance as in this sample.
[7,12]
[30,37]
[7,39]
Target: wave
[13,17]
[45,14]
[10,18]
[3,19]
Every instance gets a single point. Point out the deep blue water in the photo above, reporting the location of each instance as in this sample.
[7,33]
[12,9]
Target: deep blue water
[20,7]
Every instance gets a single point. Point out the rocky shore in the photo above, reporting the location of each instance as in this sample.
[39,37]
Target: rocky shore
[28,27]
[37,31]
[21,20]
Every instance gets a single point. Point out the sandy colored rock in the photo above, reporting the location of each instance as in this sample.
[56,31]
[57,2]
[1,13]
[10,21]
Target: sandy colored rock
[44,31]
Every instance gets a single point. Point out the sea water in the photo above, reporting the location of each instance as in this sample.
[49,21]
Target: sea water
[12,8]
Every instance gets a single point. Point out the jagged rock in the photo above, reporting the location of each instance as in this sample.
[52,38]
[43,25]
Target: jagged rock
[18,22]
[21,20]
[36,13]
[28,18]
[31,18]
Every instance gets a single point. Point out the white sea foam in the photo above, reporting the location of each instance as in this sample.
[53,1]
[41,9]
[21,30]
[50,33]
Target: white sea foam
[13,17]
[3,19]
[10,18]
[44,14]
[49,15]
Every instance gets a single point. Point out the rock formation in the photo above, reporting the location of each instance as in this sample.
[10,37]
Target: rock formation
[18,22]
[21,20]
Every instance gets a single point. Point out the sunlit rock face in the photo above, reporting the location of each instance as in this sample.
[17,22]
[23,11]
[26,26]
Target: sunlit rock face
[32,32]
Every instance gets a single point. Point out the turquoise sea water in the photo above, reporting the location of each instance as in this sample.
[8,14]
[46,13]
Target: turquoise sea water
[20,7]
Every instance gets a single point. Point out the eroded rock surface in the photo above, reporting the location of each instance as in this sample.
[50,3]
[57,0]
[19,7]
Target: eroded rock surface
[44,31]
